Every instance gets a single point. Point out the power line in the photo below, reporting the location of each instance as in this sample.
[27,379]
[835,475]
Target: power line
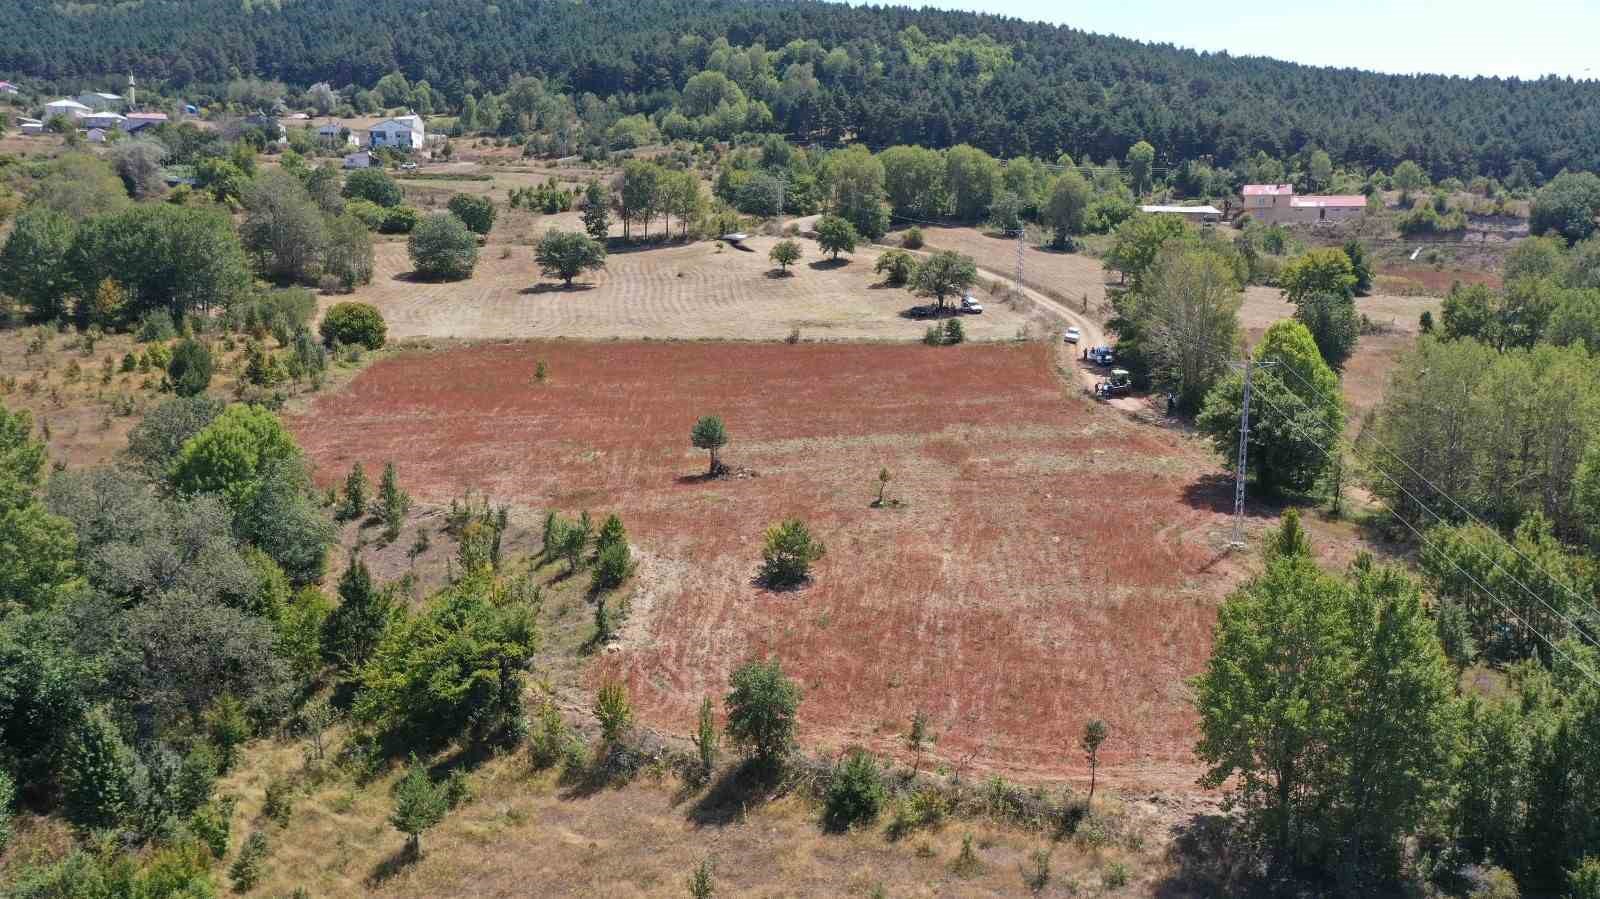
[1439,518]
[1554,647]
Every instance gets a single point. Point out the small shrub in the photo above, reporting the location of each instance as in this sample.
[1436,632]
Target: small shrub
[912,239]
[247,868]
[457,789]
[787,554]
[1115,876]
[548,742]
[934,336]
[189,369]
[613,711]
[213,824]
[954,332]
[279,803]
[354,324]
[700,883]
[856,793]
[157,326]
[966,862]
[1037,874]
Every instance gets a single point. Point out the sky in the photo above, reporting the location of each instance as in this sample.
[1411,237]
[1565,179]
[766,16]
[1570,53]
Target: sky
[1527,39]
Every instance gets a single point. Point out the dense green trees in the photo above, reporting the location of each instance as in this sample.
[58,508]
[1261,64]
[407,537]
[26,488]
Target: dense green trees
[33,263]
[283,228]
[374,186]
[1296,415]
[1181,326]
[1329,706]
[354,324]
[477,213]
[1567,206]
[932,77]
[176,258]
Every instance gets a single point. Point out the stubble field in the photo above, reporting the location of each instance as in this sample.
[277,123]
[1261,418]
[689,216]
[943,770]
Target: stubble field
[688,291]
[1052,561]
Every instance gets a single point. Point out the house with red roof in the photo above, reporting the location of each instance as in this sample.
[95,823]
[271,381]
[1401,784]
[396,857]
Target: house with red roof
[1277,204]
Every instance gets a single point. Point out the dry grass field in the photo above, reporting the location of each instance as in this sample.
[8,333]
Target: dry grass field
[681,291]
[1053,560]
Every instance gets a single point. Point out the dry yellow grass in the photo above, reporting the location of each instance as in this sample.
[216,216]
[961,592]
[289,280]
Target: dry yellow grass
[686,291]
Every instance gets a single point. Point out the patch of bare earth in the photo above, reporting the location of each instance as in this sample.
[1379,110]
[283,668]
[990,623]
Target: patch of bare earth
[1052,561]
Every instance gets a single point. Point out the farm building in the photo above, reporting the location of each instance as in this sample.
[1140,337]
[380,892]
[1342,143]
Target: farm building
[335,133]
[1189,213]
[8,88]
[362,160]
[1277,204]
[138,121]
[403,132]
[102,120]
[96,136]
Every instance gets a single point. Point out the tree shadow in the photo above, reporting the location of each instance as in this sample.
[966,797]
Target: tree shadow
[389,868]
[416,277]
[703,477]
[730,797]
[777,273]
[553,287]
[1214,493]
[765,586]
[1209,857]
[928,313]
[826,265]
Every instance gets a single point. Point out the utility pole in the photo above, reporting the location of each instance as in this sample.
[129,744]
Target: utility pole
[1244,454]
[1022,248]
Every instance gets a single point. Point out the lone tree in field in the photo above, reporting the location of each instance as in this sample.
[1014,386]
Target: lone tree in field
[567,254]
[1094,733]
[762,705]
[419,804]
[710,435]
[787,554]
[443,248]
[786,253]
[836,235]
[945,273]
[596,211]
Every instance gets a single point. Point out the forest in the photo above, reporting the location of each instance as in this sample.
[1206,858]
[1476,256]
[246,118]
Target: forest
[876,75]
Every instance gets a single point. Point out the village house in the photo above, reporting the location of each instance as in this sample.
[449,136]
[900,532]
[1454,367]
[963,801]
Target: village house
[1277,204]
[135,122]
[402,132]
[362,160]
[101,102]
[102,120]
[334,134]
[7,87]
[1206,214]
[68,108]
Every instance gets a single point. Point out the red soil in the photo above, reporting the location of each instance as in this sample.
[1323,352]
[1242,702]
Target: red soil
[1053,561]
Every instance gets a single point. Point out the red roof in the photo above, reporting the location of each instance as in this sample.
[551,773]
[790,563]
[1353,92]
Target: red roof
[1269,190]
[1345,201]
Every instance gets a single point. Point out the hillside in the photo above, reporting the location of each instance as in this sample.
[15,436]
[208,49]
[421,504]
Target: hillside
[1008,86]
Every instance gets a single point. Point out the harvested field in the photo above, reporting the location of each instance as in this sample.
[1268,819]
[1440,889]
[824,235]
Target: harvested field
[1072,278]
[685,291]
[1053,560]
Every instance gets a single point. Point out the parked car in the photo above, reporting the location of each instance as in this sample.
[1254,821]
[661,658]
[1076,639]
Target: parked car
[408,166]
[1102,355]
[1121,381]
[969,303]
[1072,335]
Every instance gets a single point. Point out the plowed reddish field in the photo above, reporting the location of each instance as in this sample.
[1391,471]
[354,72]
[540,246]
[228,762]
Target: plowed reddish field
[1053,560]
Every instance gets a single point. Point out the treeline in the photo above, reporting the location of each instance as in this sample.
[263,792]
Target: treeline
[881,75]
[1331,713]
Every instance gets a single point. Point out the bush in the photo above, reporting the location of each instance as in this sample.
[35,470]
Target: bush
[954,332]
[189,371]
[896,266]
[8,797]
[476,212]
[787,554]
[548,741]
[157,325]
[212,823]
[912,239]
[934,336]
[374,186]
[400,220]
[278,804]
[855,793]
[1115,876]
[367,212]
[354,324]
[613,564]
[612,710]
[443,248]
[247,868]
[762,707]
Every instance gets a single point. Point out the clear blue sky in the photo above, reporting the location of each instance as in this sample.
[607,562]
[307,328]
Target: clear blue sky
[1526,39]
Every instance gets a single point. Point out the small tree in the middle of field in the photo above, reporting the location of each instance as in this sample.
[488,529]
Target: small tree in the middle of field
[785,254]
[787,553]
[944,274]
[836,235]
[1094,734]
[710,435]
[419,804]
[568,254]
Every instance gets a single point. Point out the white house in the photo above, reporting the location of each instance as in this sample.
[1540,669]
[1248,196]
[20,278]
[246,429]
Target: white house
[72,109]
[335,133]
[403,132]
[101,101]
[1190,213]
[7,87]
[31,126]
[362,160]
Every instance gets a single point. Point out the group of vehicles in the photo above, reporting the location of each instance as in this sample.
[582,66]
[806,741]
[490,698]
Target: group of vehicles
[1120,380]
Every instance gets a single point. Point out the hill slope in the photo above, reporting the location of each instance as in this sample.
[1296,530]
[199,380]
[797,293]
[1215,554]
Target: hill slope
[1006,85]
